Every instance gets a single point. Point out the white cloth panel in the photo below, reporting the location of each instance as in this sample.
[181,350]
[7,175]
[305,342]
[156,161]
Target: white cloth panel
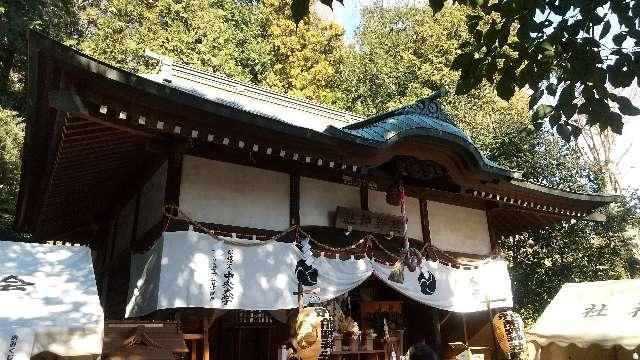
[263,276]
[49,301]
[605,313]
[459,229]
[211,191]
[454,289]
[194,271]
[144,277]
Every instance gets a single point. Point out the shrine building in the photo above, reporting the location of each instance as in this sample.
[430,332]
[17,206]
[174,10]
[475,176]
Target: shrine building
[208,203]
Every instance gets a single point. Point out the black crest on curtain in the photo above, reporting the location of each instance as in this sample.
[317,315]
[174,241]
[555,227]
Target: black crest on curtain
[307,275]
[427,283]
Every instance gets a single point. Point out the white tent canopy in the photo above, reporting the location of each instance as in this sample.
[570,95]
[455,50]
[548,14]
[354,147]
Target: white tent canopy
[48,301]
[191,269]
[606,313]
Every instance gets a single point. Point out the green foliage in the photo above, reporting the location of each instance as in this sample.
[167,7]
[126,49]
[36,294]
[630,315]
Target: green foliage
[563,45]
[56,18]
[541,262]
[403,54]
[11,134]
[255,42]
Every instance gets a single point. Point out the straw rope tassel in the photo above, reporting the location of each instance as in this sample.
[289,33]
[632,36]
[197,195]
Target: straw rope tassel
[397,273]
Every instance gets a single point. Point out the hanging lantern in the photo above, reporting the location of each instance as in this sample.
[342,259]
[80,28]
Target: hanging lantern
[509,330]
[314,333]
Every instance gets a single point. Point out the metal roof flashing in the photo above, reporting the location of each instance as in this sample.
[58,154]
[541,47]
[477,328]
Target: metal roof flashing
[248,97]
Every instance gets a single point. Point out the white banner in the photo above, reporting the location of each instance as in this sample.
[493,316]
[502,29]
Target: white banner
[190,269]
[48,301]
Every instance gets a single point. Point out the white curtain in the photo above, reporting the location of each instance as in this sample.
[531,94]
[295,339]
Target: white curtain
[48,301]
[190,269]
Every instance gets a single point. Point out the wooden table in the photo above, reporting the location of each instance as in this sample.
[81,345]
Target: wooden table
[359,355]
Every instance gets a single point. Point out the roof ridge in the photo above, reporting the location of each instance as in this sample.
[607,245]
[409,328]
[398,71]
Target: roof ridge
[429,106]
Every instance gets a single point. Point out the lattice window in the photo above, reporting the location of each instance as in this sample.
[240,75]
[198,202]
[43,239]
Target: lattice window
[253,317]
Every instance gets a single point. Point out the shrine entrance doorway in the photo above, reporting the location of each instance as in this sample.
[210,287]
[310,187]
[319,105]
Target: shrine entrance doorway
[248,335]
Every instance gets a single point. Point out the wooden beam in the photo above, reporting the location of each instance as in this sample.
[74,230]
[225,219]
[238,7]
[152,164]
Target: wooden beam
[136,218]
[95,116]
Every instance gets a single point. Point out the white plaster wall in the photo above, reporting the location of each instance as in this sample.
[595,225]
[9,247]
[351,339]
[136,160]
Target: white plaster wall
[319,199]
[377,203]
[460,229]
[152,201]
[230,194]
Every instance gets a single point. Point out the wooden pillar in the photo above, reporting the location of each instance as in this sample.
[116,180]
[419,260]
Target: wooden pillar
[437,342]
[193,349]
[205,338]
[174,173]
[294,199]
[493,234]
[364,197]
[424,216]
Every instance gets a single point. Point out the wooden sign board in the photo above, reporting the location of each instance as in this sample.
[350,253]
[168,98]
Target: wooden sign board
[367,221]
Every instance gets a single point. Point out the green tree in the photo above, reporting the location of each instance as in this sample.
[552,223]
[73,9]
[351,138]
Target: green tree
[304,58]
[255,42]
[58,19]
[11,135]
[402,54]
[571,54]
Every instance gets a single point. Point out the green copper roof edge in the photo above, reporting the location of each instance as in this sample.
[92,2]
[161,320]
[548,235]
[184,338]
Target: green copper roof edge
[480,160]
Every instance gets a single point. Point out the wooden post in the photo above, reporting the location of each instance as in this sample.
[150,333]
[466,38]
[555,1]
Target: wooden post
[205,340]
[294,199]
[466,337]
[193,349]
[494,353]
[435,317]
[300,298]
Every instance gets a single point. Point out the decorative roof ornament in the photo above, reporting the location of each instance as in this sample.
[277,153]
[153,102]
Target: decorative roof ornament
[428,106]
